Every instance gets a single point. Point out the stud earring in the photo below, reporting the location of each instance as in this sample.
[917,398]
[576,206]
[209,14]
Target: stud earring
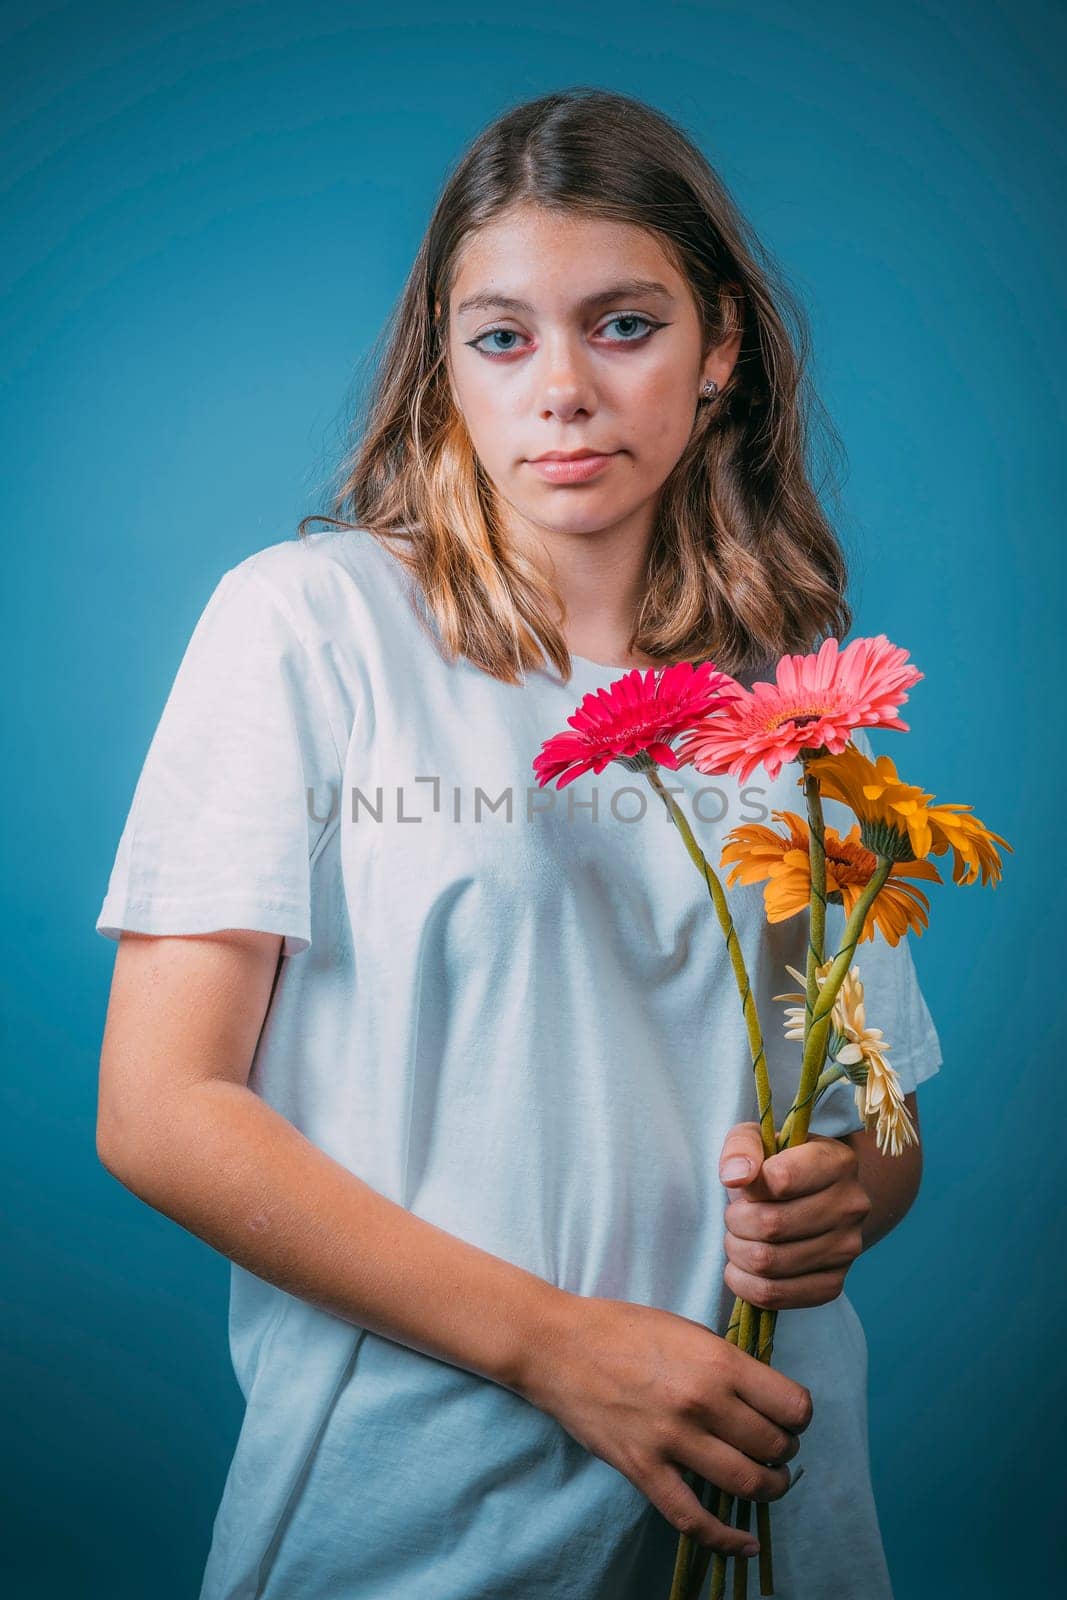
[708,389]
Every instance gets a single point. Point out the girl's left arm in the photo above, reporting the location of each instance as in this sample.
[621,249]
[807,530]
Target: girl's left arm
[891,1181]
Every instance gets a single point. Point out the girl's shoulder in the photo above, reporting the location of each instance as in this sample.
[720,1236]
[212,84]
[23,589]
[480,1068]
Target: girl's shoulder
[342,583]
[323,572]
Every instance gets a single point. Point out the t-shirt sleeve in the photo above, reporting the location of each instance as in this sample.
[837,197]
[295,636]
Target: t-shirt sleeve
[893,998]
[225,816]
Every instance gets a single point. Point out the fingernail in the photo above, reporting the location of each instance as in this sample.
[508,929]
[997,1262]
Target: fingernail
[750,1549]
[736,1167]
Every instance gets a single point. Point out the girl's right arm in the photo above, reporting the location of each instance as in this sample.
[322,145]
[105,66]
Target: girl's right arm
[646,1390]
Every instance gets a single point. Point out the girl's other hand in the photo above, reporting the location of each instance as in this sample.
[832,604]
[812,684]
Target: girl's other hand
[653,1393]
[794,1225]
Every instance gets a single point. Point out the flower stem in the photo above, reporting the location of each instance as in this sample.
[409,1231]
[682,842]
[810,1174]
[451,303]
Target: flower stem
[768,1318]
[698,1565]
[726,1500]
[818,1032]
[692,1560]
[813,1083]
[744,1518]
[826,1078]
[737,961]
[795,1128]
[746,1318]
[817,913]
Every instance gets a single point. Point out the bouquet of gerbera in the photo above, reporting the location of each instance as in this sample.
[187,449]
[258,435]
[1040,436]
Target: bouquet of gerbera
[808,716]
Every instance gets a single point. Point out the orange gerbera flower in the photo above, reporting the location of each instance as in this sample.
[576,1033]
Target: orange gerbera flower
[760,853]
[896,820]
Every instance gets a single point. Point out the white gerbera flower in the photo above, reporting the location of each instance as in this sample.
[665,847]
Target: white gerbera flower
[861,1051]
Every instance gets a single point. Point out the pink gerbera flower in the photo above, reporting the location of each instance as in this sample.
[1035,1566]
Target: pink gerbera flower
[632,719]
[815,703]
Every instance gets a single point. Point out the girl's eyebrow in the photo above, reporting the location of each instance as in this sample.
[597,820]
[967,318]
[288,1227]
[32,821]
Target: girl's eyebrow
[625,289]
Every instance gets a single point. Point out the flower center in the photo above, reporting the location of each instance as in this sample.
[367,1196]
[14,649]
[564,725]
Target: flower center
[799,718]
[851,862]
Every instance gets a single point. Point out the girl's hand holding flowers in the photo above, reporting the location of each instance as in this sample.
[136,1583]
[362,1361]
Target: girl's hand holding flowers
[795,1223]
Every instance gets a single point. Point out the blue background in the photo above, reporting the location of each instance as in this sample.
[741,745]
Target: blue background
[209,212]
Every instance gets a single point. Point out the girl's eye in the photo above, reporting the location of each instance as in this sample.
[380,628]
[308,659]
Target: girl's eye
[629,317]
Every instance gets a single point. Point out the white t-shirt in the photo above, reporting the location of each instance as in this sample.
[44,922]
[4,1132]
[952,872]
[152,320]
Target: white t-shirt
[520,1023]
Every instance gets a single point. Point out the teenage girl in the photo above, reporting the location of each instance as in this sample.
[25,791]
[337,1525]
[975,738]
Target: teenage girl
[449,1064]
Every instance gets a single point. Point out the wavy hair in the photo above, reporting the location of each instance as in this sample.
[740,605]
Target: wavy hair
[743,564]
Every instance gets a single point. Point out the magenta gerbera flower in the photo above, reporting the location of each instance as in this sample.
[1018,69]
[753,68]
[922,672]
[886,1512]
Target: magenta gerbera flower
[815,703]
[632,719]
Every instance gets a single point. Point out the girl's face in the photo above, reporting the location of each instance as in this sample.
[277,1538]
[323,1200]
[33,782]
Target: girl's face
[573,333]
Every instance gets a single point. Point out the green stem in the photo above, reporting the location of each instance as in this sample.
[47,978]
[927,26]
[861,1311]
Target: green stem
[737,961]
[744,1518]
[768,1320]
[819,1002]
[817,913]
[826,1078]
[819,1030]
[724,1509]
[688,1553]
[816,941]
[698,1556]
[795,1131]
[818,1010]
[751,1319]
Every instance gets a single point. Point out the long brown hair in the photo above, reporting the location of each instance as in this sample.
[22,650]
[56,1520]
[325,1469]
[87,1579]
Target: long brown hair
[743,565]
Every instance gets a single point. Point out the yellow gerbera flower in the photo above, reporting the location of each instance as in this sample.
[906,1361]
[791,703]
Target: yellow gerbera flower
[862,1052]
[759,852]
[895,819]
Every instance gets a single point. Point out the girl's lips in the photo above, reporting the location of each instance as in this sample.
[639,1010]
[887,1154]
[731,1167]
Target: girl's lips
[572,471]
